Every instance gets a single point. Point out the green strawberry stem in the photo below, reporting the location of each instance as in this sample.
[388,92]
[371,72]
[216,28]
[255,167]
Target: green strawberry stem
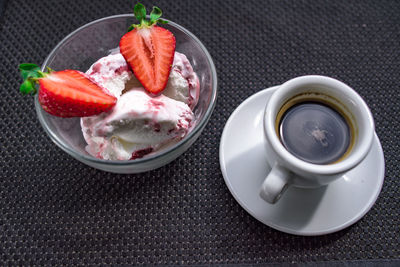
[140,13]
[31,74]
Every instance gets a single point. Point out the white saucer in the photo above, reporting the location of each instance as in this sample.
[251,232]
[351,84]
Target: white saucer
[300,211]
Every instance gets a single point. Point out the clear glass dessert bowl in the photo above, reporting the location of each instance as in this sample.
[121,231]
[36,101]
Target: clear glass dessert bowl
[80,49]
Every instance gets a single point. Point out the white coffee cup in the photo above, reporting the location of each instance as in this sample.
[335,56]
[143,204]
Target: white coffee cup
[288,169]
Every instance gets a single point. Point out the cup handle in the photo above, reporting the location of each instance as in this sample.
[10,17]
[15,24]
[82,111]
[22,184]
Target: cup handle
[275,184]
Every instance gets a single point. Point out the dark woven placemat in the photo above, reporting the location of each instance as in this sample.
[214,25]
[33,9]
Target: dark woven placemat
[55,210]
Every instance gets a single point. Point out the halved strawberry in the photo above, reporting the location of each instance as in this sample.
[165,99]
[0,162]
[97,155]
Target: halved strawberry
[67,93]
[149,50]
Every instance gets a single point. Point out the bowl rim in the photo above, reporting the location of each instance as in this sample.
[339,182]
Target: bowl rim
[196,129]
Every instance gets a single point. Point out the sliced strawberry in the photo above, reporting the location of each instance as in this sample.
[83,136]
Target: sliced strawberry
[67,93]
[70,93]
[149,50]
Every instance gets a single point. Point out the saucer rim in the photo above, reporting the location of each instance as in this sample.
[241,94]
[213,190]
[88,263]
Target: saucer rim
[363,211]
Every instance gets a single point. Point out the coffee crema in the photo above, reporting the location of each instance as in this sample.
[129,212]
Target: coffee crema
[315,130]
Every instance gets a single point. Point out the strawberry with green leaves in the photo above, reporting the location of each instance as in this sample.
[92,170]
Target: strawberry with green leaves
[149,49]
[66,93]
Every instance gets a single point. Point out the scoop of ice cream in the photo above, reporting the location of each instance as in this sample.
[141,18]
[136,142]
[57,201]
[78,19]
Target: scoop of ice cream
[113,73]
[183,83]
[140,122]
[137,125]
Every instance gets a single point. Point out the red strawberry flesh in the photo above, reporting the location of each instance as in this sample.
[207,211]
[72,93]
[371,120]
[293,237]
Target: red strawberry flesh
[150,54]
[71,93]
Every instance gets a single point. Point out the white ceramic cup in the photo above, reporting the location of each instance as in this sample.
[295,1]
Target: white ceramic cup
[287,169]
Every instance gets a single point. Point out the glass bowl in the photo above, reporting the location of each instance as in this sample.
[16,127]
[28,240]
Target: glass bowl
[80,49]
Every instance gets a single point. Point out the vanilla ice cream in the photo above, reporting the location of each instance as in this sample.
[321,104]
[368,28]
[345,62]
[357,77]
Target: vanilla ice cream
[140,123]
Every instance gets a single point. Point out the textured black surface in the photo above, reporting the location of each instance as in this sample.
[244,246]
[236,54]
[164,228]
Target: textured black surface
[54,210]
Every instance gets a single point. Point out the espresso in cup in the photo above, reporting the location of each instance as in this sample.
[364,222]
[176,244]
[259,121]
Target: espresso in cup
[315,128]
